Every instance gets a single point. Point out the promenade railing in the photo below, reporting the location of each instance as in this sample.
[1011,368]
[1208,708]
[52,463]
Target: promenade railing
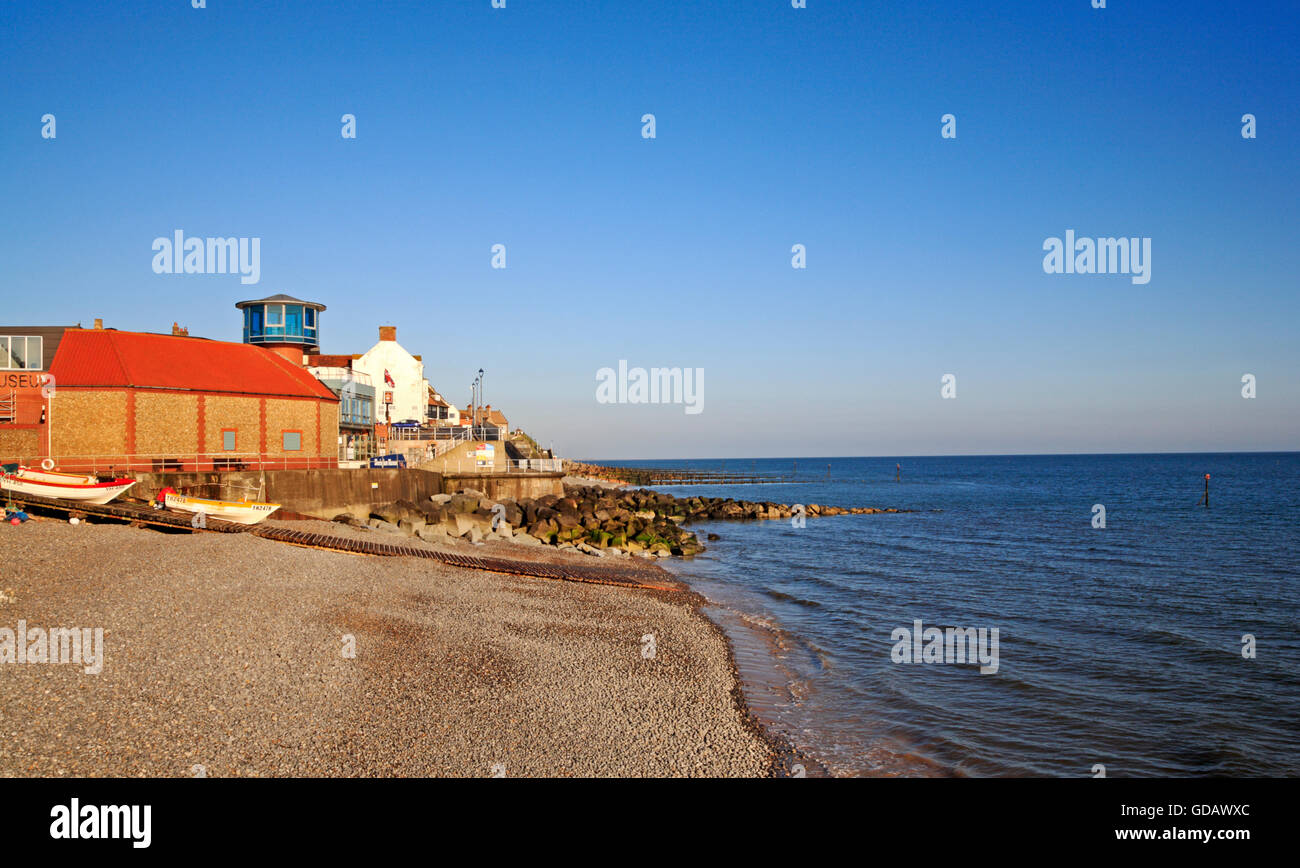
[469,466]
[457,434]
[345,374]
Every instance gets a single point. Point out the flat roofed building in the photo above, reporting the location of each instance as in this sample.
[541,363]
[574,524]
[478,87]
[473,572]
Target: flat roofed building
[356,395]
[26,353]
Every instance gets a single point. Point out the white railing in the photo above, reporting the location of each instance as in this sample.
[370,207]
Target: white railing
[403,433]
[456,433]
[470,466]
[532,465]
[442,447]
[344,374]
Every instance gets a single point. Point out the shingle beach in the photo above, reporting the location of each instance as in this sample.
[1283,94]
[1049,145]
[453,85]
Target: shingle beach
[225,655]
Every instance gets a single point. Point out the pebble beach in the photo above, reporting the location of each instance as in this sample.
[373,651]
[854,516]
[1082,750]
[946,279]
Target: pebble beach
[228,656]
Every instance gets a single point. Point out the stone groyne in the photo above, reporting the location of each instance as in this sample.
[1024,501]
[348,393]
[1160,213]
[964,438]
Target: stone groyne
[592,519]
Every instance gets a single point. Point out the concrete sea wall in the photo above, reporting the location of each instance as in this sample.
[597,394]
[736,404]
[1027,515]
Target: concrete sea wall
[315,493]
[326,493]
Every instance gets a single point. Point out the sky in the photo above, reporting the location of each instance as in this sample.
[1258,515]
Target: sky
[774,126]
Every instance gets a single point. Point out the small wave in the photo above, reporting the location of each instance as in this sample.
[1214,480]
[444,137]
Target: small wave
[789,598]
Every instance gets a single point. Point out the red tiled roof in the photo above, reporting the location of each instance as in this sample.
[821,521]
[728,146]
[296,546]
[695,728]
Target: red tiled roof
[111,358]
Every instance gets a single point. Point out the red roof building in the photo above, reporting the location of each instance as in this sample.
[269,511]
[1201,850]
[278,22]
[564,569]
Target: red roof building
[140,401]
[90,358]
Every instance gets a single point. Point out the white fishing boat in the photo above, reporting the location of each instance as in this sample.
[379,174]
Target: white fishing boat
[85,492]
[238,511]
[56,476]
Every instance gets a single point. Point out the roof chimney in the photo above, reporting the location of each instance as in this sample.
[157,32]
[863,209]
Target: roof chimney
[178,331]
[99,323]
[388,333]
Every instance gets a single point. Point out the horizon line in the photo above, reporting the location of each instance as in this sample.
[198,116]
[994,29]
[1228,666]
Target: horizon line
[951,455]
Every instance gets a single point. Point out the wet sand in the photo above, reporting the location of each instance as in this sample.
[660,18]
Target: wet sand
[224,656]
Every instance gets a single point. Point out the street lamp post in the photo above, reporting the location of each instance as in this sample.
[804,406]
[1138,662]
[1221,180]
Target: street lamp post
[475,402]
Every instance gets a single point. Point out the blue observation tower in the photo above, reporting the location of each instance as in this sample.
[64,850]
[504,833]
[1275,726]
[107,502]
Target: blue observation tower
[282,321]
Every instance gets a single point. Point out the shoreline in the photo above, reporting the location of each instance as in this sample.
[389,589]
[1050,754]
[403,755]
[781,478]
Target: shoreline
[787,758]
[550,675]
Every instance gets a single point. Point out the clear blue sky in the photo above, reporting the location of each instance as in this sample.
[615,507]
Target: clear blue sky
[775,126]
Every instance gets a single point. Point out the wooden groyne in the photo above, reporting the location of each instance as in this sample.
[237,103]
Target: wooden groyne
[612,575]
[672,476]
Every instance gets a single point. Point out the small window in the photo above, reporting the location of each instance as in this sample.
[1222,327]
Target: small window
[310,317]
[274,312]
[228,440]
[292,441]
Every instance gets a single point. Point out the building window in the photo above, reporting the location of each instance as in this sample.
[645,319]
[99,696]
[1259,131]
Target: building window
[21,353]
[228,439]
[293,319]
[292,441]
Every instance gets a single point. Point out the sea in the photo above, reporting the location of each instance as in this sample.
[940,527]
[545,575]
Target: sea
[1159,638]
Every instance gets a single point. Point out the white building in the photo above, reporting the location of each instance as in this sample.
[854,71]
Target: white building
[401,392]
[442,413]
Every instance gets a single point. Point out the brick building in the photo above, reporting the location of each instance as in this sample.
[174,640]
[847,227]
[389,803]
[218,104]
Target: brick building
[133,400]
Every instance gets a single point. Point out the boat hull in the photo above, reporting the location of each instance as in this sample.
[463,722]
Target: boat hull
[97,493]
[226,510]
[55,476]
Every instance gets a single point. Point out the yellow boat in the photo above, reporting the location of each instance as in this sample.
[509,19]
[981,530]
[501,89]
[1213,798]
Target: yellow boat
[238,511]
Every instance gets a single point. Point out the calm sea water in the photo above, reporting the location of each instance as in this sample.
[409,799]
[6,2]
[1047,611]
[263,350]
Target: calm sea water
[1119,646]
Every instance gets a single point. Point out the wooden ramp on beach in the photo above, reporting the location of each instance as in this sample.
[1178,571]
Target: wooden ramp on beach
[630,576]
